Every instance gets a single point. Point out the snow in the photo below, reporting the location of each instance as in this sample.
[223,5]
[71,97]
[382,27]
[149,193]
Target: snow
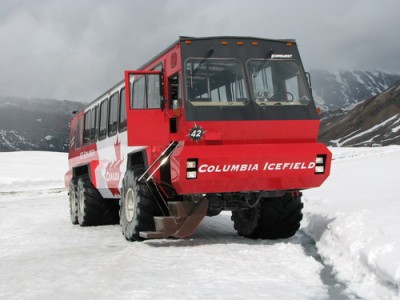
[353,219]
[32,170]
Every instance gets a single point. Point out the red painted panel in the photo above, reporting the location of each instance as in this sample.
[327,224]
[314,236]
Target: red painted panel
[234,168]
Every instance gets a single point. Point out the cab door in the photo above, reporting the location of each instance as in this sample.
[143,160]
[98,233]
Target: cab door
[147,120]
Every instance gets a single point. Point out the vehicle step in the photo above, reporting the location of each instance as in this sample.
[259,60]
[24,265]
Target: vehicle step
[166,224]
[153,235]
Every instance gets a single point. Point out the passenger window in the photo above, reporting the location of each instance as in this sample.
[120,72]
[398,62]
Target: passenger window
[88,123]
[79,134]
[93,131]
[97,124]
[113,114]
[122,112]
[103,120]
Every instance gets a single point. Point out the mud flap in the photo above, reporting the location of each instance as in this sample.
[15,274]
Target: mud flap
[185,218]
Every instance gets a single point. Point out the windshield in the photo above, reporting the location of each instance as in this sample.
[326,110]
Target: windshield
[215,82]
[278,82]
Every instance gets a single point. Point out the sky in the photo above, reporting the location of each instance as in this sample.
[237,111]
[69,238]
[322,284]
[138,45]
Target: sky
[77,49]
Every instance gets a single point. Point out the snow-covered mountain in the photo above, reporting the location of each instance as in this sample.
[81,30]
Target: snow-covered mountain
[372,122]
[42,124]
[346,88]
[35,124]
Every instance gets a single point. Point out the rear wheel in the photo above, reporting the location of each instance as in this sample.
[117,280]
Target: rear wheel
[93,209]
[137,205]
[273,218]
[73,202]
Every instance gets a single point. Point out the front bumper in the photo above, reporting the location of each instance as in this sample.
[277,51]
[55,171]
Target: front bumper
[250,167]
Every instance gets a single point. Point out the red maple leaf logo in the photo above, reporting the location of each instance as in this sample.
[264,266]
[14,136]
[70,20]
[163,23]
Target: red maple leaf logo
[113,170]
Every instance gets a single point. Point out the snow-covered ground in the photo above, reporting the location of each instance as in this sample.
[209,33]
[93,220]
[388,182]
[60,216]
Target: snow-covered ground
[354,219]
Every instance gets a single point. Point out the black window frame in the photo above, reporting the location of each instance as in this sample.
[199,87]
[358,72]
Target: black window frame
[122,122]
[87,127]
[95,120]
[113,114]
[103,131]
[79,131]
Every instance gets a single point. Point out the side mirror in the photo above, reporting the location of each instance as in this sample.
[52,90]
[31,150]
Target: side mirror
[308,75]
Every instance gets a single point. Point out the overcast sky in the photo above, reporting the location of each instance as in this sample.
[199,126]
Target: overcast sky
[76,49]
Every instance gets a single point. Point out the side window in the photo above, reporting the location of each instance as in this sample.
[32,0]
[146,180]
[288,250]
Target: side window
[93,127]
[113,114]
[79,134]
[97,124]
[88,123]
[122,112]
[139,93]
[103,120]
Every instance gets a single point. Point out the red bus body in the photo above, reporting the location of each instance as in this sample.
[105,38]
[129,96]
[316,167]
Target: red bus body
[230,134]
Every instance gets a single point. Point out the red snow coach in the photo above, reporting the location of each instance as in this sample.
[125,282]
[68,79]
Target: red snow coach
[209,124]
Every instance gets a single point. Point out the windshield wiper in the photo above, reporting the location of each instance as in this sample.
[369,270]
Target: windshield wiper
[208,54]
[269,54]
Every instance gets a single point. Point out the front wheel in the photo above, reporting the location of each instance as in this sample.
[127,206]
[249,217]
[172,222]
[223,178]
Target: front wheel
[137,205]
[273,218]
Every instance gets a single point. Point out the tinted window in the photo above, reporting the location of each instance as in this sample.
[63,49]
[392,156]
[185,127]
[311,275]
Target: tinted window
[122,110]
[97,124]
[103,120]
[113,114]
[88,123]
[79,134]
[93,131]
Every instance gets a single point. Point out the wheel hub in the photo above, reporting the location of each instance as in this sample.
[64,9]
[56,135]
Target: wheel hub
[130,205]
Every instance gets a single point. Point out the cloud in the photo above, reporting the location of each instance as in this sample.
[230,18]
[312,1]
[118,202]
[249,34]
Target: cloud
[77,49]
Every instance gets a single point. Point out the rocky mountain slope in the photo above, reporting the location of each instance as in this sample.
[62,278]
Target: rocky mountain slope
[35,124]
[42,124]
[340,91]
[372,122]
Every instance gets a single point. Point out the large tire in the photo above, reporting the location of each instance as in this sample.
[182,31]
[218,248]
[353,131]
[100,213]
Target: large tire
[245,221]
[273,218]
[73,201]
[137,206]
[280,217]
[93,209]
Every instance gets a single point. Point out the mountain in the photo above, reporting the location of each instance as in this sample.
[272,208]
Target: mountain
[35,124]
[375,121]
[42,124]
[340,91]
